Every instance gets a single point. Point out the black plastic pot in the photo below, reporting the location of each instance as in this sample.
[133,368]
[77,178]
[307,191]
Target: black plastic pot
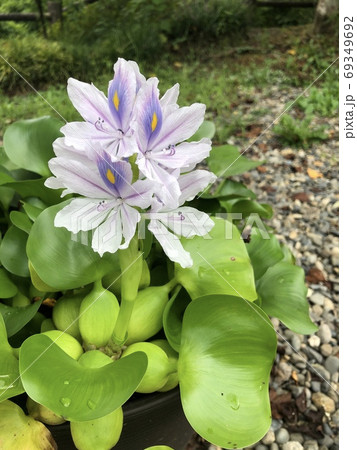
[154,419]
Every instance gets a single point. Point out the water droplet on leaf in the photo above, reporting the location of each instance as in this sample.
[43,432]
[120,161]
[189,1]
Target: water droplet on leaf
[91,404]
[65,401]
[66,382]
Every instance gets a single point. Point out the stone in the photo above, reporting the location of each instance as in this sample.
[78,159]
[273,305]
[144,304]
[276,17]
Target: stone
[314,341]
[320,370]
[269,438]
[282,436]
[274,446]
[324,333]
[321,400]
[260,447]
[292,445]
[328,304]
[326,349]
[311,445]
[298,437]
[332,364]
[317,298]
[315,386]
[317,310]
[276,424]
[296,343]
[283,372]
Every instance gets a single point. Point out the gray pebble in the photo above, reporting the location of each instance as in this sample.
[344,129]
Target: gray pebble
[282,436]
[325,374]
[274,446]
[331,364]
[276,424]
[317,298]
[327,429]
[314,355]
[261,447]
[335,418]
[324,333]
[311,445]
[327,441]
[326,349]
[315,386]
[292,445]
[297,437]
[296,343]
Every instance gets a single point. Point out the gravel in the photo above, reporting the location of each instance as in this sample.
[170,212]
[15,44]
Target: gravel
[303,390]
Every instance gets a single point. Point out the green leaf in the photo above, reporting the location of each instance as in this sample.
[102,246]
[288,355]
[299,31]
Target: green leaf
[230,189]
[248,207]
[69,389]
[7,287]
[172,317]
[28,143]
[13,252]
[226,161]
[221,264]
[16,318]
[283,293]
[59,260]
[35,188]
[206,130]
[264,251]
[21,221]
[227,350]
[32,211]
[288,256]
[10,383]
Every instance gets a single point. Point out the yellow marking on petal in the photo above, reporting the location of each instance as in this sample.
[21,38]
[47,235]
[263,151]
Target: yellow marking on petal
[116,100]
[110,176]
[154,122]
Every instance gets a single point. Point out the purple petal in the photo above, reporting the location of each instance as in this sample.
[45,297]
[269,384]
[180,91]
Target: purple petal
[139,194]
[90,102]
[122,93]
[168,101]
[116,175]
[148,114]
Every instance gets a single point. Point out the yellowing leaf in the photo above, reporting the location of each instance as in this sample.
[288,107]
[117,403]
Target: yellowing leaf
[292,52]
[314,173]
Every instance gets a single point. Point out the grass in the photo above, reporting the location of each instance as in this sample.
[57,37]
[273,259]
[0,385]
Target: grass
[219,74]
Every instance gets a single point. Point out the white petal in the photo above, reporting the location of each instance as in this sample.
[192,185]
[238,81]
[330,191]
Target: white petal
[139,193]
[90,102]
[168,101]
[194,182]
[186,221]
[184,155]
[170,244]
[108,236]
[81,215]
[179,126]
[130,217]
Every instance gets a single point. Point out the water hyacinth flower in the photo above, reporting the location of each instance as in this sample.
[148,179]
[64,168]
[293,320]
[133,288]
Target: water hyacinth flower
[161,129]
[109,197]
[108,121]
[92,161]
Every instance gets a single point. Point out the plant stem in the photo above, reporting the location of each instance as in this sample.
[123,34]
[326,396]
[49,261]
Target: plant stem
[121,327]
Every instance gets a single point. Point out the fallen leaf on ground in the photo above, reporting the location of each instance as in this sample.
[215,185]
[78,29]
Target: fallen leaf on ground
[314,173]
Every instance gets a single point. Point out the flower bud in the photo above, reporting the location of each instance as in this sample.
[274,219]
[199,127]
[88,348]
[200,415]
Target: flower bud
[65,314]
[66,342]
[43,414]
[158,369]
[98,315]
[172,381]
[20,300]
[146,318]
[47,325]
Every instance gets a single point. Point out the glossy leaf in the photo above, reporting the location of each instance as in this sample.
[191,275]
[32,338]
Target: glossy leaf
[10,383]
[35,188]
[172,318]
[13,252]
[264,251]
[16,318]
[7,287]
[225,161]
[71,390]
[206,130]
[283,294]
[221,264]
[21,221]
[60,260]
[28,143]
[227,350]
[230,189]
[248,207]
[32,211]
